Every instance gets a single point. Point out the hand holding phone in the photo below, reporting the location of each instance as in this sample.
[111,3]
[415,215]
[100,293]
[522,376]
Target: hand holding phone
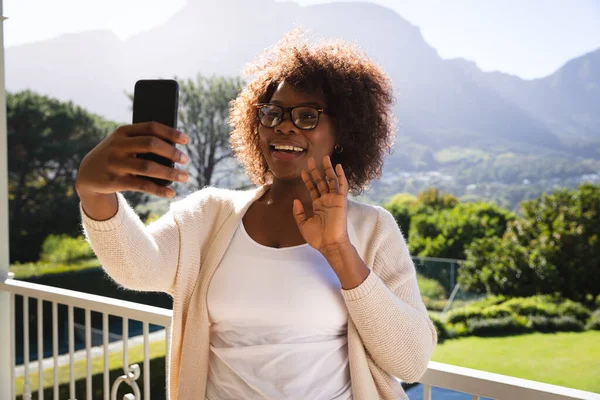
[140,157]
[113,166]
[156,100]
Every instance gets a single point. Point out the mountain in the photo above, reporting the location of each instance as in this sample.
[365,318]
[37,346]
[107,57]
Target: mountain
[438,105]
[567,101]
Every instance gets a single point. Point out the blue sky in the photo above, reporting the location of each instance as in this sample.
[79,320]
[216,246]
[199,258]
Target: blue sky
[529,38]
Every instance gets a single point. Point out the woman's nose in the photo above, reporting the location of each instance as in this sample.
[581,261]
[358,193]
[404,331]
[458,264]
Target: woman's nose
[286,125]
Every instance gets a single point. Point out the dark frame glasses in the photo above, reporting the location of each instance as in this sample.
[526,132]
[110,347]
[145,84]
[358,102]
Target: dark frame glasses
[262,110]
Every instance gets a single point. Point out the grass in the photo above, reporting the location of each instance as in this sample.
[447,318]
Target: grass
[115,361]
[566,359]
[28,270]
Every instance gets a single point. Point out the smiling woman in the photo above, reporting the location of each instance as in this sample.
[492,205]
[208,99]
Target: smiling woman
[290,289]
[349,92]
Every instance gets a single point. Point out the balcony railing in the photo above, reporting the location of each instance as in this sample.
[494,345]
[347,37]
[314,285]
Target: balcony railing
[106,306]
[472,382]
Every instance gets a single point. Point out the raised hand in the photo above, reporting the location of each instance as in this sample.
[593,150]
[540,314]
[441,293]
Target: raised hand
[327,227]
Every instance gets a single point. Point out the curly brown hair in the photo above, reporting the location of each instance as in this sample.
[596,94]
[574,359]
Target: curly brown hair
[357,92]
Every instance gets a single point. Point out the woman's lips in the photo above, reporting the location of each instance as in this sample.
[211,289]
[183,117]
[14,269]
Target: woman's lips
[285,156]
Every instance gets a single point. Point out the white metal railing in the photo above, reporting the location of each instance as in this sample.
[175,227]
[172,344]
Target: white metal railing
[78,300]
[473,382]
[485,384]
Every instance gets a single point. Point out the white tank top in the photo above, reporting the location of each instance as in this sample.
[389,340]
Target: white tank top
[278,325]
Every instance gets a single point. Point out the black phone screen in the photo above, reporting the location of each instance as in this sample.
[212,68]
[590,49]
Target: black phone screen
[156,100]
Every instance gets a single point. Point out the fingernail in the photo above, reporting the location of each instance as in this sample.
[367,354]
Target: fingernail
[183,157]
[182,177]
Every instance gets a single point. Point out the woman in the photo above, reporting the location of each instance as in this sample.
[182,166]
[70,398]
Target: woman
[288,290]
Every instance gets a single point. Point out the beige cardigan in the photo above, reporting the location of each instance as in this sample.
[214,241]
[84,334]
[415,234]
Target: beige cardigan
[389,332]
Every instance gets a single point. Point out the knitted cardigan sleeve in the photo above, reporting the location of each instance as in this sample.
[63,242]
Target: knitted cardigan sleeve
[387,308]
[136,256]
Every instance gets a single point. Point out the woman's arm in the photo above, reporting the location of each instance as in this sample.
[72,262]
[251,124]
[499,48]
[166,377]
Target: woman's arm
[387,308]
[136,256]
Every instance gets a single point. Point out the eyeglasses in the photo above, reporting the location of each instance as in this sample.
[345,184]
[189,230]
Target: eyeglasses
[303,117]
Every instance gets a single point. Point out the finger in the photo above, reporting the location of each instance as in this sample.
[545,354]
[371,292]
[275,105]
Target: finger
[152,144]
[139,166]
[314,192]
[155,129]
[317,177]
[341,175]
[332,180]
[298,211]
[137,184]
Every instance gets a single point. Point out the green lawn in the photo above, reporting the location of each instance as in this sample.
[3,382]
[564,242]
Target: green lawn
[567,359]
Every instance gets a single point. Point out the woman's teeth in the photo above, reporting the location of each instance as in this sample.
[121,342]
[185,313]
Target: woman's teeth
[288,148]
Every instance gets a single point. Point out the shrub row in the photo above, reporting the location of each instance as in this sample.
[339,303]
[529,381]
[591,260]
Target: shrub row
[538,306]
[594,322]
[498,316]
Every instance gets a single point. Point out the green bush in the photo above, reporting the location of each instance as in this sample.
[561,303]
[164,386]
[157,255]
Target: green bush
[463,314]
[570,308]
[458,329]
[567,324]
[555,324]
[440,327]
[499,311]
[431,288]
[491,301]
[594,322]
[43,268]
[65,249]
[498,326]
[535,305]
[151,218]
[439,305]
[434,304]
[541,324]
[542,313]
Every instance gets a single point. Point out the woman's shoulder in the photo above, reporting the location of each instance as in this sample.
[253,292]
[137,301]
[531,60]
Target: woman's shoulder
[368,217]
[366,210]
[210,196]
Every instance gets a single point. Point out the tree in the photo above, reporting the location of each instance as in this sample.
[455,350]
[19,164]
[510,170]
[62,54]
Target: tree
[447,232]
[203,116]
[402,206]
[432,197]
[47,140]
[553,248]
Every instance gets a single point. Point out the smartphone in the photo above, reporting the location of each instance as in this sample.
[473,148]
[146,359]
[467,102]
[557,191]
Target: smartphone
[156,100]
